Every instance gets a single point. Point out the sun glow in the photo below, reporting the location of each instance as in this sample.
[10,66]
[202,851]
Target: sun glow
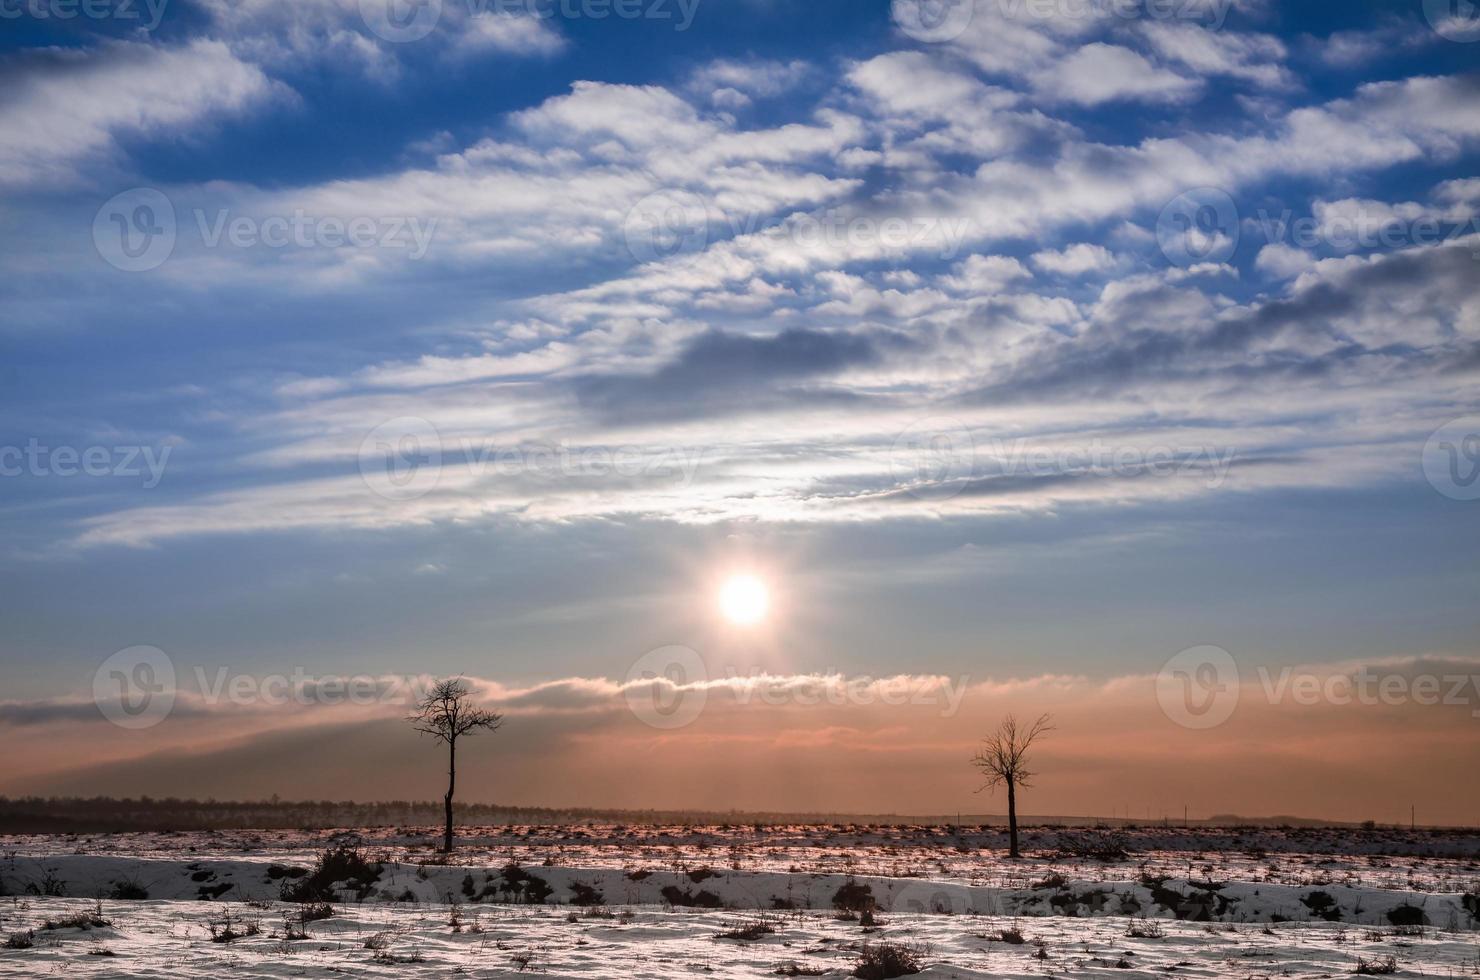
[744,600]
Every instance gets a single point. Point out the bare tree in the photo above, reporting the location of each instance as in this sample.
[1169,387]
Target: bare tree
[446,715]
[1004,759]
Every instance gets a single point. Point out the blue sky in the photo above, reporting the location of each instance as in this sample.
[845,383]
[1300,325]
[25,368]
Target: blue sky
[943,329]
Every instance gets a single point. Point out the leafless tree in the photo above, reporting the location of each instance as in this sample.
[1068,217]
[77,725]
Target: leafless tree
[1004,759]
[446,715]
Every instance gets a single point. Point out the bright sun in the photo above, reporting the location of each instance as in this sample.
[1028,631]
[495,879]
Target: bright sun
[744,600]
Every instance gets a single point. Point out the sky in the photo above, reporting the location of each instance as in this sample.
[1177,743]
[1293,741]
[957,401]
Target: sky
[1014,347]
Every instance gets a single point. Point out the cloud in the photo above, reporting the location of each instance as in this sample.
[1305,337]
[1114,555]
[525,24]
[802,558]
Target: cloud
[1098,73]
[1075,260]
[508,34]
[735,84]
[1253,57]
[67,109]
[796,742]
[722,370]
[1282,261]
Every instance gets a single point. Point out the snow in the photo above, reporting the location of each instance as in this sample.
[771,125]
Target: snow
[1228,913]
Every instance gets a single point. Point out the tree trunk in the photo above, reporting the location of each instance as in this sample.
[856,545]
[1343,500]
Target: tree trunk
[452,784]
[1011,820]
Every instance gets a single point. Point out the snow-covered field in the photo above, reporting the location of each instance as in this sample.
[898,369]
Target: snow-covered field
[655,902]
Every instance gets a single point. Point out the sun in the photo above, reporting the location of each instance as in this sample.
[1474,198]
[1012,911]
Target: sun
[744,600]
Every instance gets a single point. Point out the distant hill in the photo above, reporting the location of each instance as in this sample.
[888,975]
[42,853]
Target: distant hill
[108,815]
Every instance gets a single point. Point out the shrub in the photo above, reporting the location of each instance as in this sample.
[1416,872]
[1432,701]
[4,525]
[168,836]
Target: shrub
[585,895]
[1145,929]
[315,912]
[884,961]
[340,867]
[128,890]
[49,885]
[1377,967]
[749,931]
[226,930]
[675,896]
[1012,935]
[1407,915]
[1322,904]
[853,897]
[20,940]
[528,959]
[522,886]
[1097,848]
[792,969]
[78,920]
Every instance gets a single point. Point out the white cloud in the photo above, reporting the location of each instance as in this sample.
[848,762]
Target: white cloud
[1283,261]
[1075,260]
[1098,73]
[758,78]
[1254,57]
[508,34]
[67,108]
